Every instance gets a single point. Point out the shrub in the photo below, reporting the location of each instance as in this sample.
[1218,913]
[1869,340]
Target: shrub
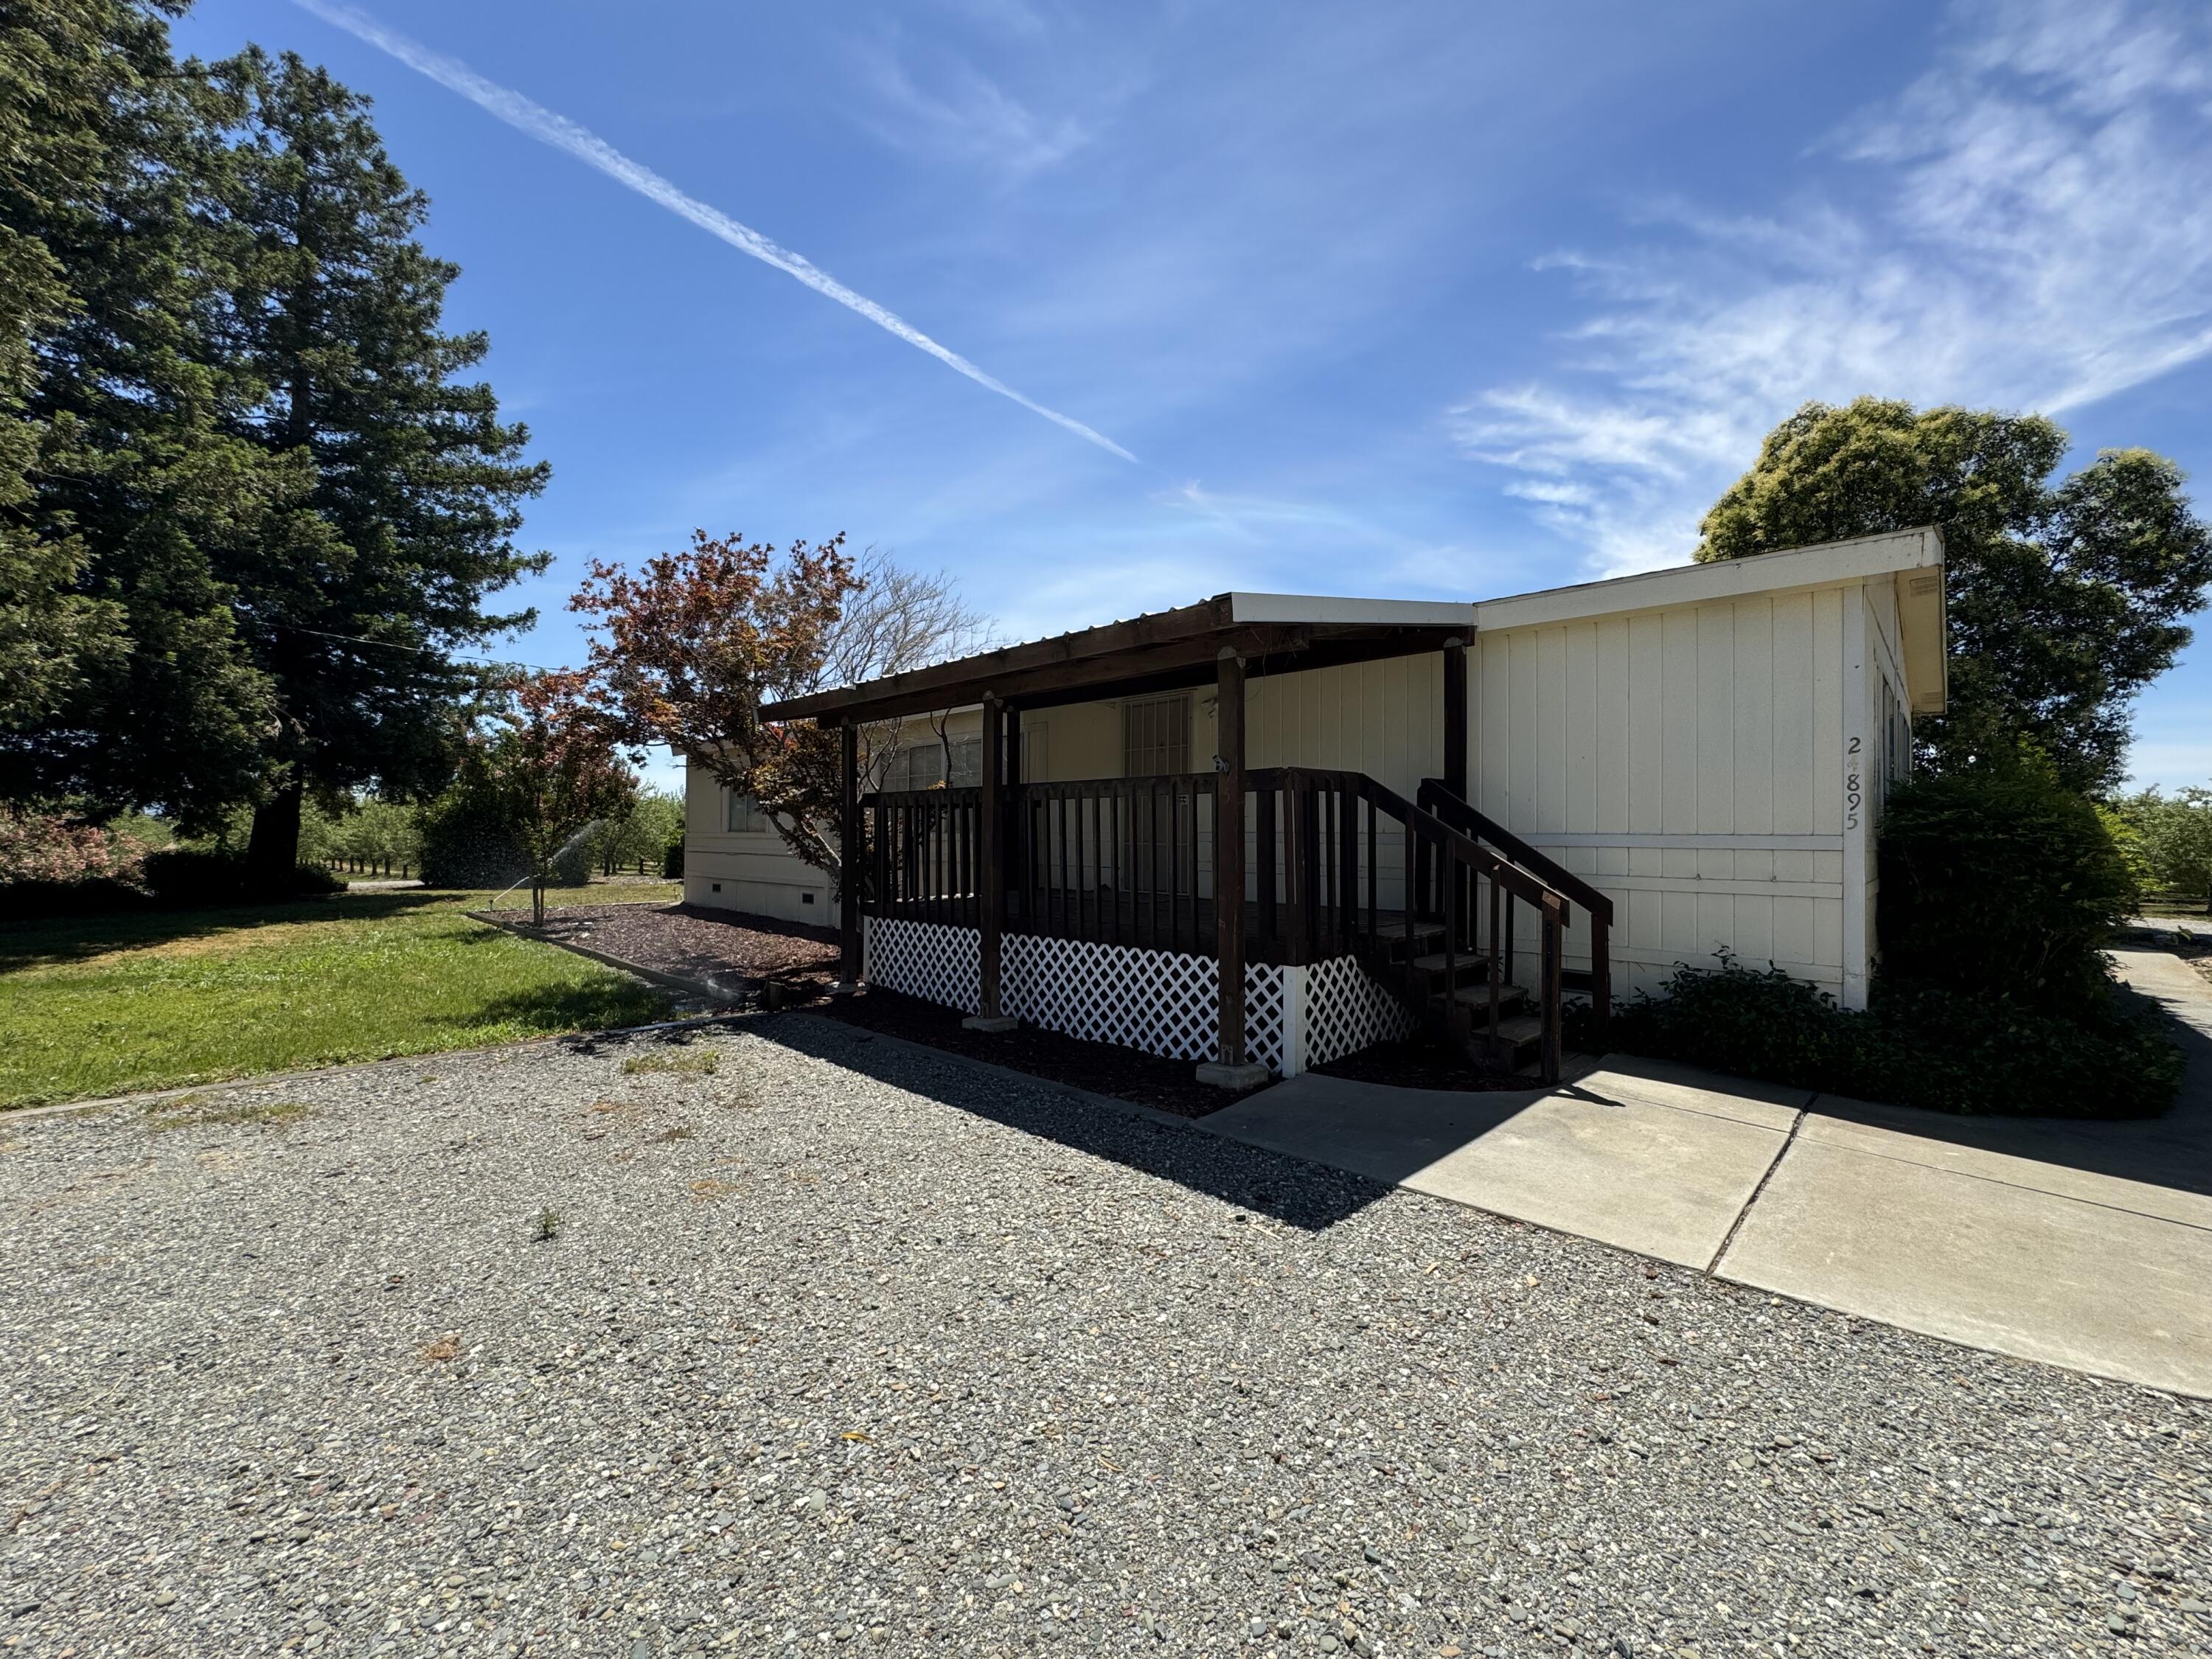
[183,879]
[88,896]
[1915,1045]
[1731,1018]
[1921,1045]
[469,841]
[671,860]
[2000,882]
[57,849]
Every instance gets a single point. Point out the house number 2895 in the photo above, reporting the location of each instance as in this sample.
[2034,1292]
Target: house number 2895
[1853,792]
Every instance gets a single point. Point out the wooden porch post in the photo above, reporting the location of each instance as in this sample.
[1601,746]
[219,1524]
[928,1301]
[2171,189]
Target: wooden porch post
[1456,717]
[1459,912]
[850,857]
[1229,1068]
[991,871]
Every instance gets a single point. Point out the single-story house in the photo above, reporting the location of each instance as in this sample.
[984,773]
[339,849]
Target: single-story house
[734,859]
[1430,810]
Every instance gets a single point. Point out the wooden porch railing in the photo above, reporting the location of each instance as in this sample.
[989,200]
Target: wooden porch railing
[1336,826]
[1338,864]
[1439,797]
[921,854]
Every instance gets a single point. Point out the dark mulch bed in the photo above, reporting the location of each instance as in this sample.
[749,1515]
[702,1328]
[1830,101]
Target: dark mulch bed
[1100,1068]
[723,946]
[1419,1066]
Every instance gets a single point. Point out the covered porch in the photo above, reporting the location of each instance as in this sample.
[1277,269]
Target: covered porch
[1103,906]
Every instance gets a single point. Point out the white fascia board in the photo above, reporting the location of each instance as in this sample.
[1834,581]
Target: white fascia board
[1924,627]
[1314,608]
[1858,560]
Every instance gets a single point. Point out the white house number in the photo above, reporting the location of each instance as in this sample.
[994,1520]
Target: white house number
[1853,792]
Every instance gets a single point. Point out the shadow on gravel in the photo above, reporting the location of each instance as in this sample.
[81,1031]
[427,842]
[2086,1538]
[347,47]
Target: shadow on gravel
[1286,1189]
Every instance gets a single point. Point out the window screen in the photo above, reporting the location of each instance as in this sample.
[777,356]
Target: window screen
[745,817]
[1156,737]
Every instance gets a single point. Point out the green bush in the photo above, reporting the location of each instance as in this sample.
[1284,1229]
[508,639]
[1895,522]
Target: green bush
[671,860]
[88,896]
[468,840]
[1917,1044]
[2002,883]
[183,879]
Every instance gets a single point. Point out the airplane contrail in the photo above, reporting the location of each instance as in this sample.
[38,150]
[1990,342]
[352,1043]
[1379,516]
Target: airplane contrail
[558,131]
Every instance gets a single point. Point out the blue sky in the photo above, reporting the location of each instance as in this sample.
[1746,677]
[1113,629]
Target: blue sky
[1424,300]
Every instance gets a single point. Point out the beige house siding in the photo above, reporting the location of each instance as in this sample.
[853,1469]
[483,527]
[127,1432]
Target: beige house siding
[1694,762]
[751,871]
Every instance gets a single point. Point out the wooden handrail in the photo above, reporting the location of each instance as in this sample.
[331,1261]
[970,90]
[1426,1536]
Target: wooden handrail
[1439,798]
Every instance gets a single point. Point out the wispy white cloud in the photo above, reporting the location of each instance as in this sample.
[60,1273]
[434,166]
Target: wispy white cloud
[963,115]
[2024,225]
[563,134]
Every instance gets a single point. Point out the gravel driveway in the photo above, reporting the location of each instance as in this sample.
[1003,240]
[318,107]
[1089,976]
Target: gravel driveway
[837,1344]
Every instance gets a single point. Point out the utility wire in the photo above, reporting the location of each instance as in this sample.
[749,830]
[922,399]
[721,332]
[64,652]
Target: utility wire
[421,650]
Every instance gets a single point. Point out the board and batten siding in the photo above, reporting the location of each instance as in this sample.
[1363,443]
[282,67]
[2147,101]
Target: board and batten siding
[1697,764]
[752,871]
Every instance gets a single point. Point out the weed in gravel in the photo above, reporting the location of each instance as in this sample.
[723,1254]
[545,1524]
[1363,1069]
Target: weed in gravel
[706,1191]
[681,1131]
[703,1063]
[549,1225]
[200,1112]
[438,1352]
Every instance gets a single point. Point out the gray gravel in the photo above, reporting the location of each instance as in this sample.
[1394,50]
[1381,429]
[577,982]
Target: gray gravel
[892,1352]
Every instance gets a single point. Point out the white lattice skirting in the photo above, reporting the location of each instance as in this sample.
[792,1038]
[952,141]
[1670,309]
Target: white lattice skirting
[1160,1001]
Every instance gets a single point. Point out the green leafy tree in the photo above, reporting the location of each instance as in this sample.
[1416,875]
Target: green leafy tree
[557,767]
[2066,595]
[334,309]
[641,834]
[2173,839]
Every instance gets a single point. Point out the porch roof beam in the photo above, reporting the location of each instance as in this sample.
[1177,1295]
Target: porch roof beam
[1132,670]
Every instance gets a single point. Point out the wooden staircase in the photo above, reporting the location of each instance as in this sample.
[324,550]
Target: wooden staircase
[1451,995]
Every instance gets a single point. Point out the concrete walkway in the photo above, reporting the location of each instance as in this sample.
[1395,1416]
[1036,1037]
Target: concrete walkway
[2088,1245]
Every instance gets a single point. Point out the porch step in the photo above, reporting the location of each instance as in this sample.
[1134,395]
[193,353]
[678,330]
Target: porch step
[1392,937]
[1519,1037]
[1469,967]
[1476,998]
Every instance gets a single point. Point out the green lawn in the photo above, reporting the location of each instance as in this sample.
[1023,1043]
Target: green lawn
[112,1005]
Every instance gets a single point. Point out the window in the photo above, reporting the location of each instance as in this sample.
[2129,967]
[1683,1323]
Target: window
[920,764]
[1156,737]
[917,766]
[744,815]
[967,763]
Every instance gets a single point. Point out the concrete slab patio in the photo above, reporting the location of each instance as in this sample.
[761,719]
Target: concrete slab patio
[1633,1154]
[2082,1244]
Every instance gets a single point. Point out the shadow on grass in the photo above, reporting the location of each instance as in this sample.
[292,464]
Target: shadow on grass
[73,938]
[1308,1196]
[595,1006]
[58,941]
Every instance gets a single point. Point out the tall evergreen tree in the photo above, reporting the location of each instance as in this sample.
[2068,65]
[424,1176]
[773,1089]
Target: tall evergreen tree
[335,310]
[60,65]
[136,505]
